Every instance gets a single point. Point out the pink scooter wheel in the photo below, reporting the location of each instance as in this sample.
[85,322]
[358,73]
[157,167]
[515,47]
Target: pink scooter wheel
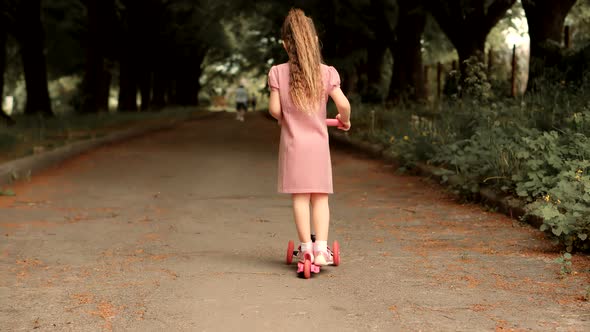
[290,248]
[307,268]
[333,122]
[336,253]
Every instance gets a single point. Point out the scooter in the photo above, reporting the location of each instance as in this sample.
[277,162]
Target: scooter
[306,268]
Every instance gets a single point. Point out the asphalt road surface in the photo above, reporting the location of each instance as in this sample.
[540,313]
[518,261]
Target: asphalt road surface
[182,230]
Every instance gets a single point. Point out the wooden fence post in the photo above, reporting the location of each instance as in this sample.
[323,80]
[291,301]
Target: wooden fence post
[373,122]
[514,63]
[490,61]
[426,89]
[438,80]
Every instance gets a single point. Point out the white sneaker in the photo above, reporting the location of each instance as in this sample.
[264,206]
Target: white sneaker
[301,255]
[323,258]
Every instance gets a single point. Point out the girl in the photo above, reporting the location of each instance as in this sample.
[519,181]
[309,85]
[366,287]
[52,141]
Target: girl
[298,97]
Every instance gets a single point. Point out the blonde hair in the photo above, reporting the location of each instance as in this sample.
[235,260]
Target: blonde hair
[300,38]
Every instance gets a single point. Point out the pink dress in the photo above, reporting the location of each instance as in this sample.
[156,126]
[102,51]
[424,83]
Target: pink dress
[304,151]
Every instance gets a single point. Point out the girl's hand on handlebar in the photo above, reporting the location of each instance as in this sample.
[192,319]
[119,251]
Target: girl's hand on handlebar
[343,125]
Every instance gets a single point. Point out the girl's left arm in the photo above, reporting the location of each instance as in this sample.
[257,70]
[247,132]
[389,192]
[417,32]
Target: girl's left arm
[274,104]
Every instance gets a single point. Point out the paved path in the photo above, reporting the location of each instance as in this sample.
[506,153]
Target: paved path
[183,231]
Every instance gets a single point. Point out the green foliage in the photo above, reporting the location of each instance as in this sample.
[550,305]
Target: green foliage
[536,148]
[475,83]
[488,157]
[579,19]
[548,169]
[253,29]
[7,141]
[565,208]
[7,192]
[565,263]
[64,22]
[554,177]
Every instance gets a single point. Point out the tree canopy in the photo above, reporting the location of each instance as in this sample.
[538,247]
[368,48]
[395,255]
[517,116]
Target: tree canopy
[173,51]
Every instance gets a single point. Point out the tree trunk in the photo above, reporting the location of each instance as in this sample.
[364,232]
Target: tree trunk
[179,90]
[127,85]
[362,83]
[131,56]
[375,56]
[348,81]
[104,92]
[3,40]
[468,30]
[407,79]
[32,48]
[545,19]
[97,78]
[172,96]
[3,36]
[384,17]
[186,87]
[145,89]
[160,86]
[196,84]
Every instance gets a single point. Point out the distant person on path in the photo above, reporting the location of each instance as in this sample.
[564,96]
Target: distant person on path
[298,97]
[253,102]
[241,102]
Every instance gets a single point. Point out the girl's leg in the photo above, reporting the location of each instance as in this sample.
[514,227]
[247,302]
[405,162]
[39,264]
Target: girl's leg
[320,216]
[321,224]
[301,213]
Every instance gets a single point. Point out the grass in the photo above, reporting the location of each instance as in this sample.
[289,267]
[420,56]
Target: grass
[35,134]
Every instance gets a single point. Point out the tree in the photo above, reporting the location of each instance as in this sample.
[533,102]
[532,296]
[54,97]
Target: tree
[545,19]
[5,18]
[344,31]
[164,45]
[198,31]
[382,19]
[129,54]
[352,34]
[97,78]
[65,26]
[408,76]
[3,38]
[30,38]
[467,23]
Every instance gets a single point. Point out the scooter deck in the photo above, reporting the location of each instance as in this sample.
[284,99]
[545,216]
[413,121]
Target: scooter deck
[314,268]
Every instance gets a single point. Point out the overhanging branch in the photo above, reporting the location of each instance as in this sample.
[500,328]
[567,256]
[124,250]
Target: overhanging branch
[496,11]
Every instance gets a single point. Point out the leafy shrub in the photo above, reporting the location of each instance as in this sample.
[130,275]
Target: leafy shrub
[536,148]
[7,140]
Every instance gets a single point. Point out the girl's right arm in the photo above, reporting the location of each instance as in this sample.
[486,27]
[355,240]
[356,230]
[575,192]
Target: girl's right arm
[274,104]
[343,107]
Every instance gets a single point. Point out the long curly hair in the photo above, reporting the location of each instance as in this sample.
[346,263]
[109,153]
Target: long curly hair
[301,42]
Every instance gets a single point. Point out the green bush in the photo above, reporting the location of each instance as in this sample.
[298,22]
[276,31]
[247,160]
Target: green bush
[536,148]
[7,140]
